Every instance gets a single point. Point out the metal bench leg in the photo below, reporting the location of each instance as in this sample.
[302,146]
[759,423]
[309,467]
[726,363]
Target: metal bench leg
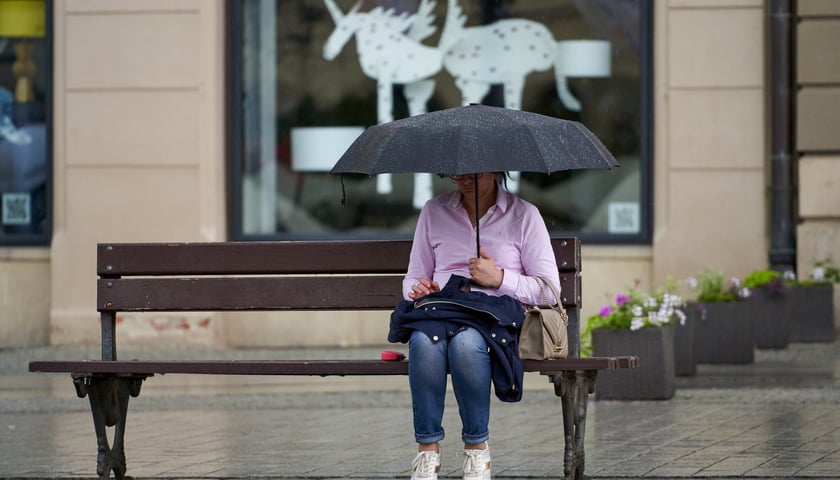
[574,389]
[108,397]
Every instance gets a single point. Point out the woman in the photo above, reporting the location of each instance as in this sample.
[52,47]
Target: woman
[515,249]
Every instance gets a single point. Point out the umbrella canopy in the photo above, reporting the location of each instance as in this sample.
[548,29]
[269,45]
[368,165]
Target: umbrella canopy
[472,140]
[475,139]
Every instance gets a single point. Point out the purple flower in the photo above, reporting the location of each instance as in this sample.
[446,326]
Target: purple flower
[776,287]
[606,311]
[621,299]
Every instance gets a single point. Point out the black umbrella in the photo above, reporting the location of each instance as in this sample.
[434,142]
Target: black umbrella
[475,139]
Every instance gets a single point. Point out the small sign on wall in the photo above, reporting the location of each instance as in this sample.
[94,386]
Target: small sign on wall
[16,209]
[624,217]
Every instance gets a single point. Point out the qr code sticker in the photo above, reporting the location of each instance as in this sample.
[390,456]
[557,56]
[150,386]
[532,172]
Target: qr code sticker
[623,217]
[16,209]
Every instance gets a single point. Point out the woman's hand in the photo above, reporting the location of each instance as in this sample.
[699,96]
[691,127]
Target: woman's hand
[423,288]
[483,270]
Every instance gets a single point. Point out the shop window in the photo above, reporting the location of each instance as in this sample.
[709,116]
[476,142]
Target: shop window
[25,126]
[308,76]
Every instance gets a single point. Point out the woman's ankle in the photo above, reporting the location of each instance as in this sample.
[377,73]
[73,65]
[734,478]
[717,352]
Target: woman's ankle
[428,447]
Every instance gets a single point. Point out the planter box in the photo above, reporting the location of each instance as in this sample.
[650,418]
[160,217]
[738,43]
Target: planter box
[770,314]
[723,333]
[685,360]
[811,313]
[653,380]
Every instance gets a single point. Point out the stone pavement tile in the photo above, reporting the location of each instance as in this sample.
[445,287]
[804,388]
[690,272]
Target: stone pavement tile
[635,468]
[828,466]
[736,465]
[544,466]
[820,446]
[785,465]
[673,471]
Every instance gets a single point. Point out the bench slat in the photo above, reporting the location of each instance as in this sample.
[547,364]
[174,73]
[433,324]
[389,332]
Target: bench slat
[159,294]
[249,293]
[253,258]
[300,257]
[299,367]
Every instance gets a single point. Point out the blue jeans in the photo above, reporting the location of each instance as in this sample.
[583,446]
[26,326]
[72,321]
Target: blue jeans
[466,357]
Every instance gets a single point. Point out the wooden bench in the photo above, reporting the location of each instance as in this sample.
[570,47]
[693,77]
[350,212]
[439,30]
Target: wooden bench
[283,276]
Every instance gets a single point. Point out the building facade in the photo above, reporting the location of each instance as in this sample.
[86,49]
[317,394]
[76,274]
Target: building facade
[141,152]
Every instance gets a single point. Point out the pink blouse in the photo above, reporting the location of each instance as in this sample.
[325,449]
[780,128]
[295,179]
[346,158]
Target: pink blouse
[512,232]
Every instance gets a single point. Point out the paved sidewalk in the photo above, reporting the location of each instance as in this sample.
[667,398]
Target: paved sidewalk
[776,418]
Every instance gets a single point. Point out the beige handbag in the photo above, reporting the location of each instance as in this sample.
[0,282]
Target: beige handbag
[544,334]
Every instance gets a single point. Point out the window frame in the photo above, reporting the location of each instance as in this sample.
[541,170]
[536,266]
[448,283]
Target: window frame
[44,238]
[234,124]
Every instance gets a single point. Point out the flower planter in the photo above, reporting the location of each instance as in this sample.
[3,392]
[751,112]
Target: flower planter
[770,314]
[723,333]
[685,360]
[653,380]
[811,313]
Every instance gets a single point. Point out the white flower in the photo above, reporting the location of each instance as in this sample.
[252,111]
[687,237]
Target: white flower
[672,300]
[789,275]
[744,293]
[638,311]
[818,274]
[637,323]
[691,282]
[651,302]
[736,282]
[681,316]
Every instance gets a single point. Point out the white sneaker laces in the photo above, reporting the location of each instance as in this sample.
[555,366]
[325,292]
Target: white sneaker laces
[477,464]
[425,466]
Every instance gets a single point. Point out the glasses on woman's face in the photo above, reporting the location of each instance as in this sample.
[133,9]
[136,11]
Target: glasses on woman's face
[470,176]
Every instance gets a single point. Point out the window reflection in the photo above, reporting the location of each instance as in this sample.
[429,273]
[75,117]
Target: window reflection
[23,122]
[314,72]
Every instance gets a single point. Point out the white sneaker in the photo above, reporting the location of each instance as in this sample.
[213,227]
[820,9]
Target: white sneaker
[477,464]
[425,466]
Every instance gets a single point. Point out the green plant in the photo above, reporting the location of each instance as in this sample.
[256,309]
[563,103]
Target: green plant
[824,273]
[760,278]
[710,286]
[633,310]
[770,281]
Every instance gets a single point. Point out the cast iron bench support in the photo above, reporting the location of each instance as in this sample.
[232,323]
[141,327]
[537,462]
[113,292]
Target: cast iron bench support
[108,395]
[284,276]
[574,387]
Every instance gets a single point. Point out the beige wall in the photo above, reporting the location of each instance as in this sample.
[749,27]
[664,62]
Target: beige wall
[139,140]
[817,140]
[710,181]
[24,297]
[139,156]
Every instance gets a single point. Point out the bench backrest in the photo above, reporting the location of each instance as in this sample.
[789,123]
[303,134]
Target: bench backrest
[285,275]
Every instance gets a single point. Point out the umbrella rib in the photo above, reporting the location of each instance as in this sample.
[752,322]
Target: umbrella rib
[539,147]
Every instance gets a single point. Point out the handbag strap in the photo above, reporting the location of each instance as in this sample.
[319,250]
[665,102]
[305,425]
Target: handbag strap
[542,281]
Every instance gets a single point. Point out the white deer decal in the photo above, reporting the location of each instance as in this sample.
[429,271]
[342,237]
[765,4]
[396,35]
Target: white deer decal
[505,52]
[390,52]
